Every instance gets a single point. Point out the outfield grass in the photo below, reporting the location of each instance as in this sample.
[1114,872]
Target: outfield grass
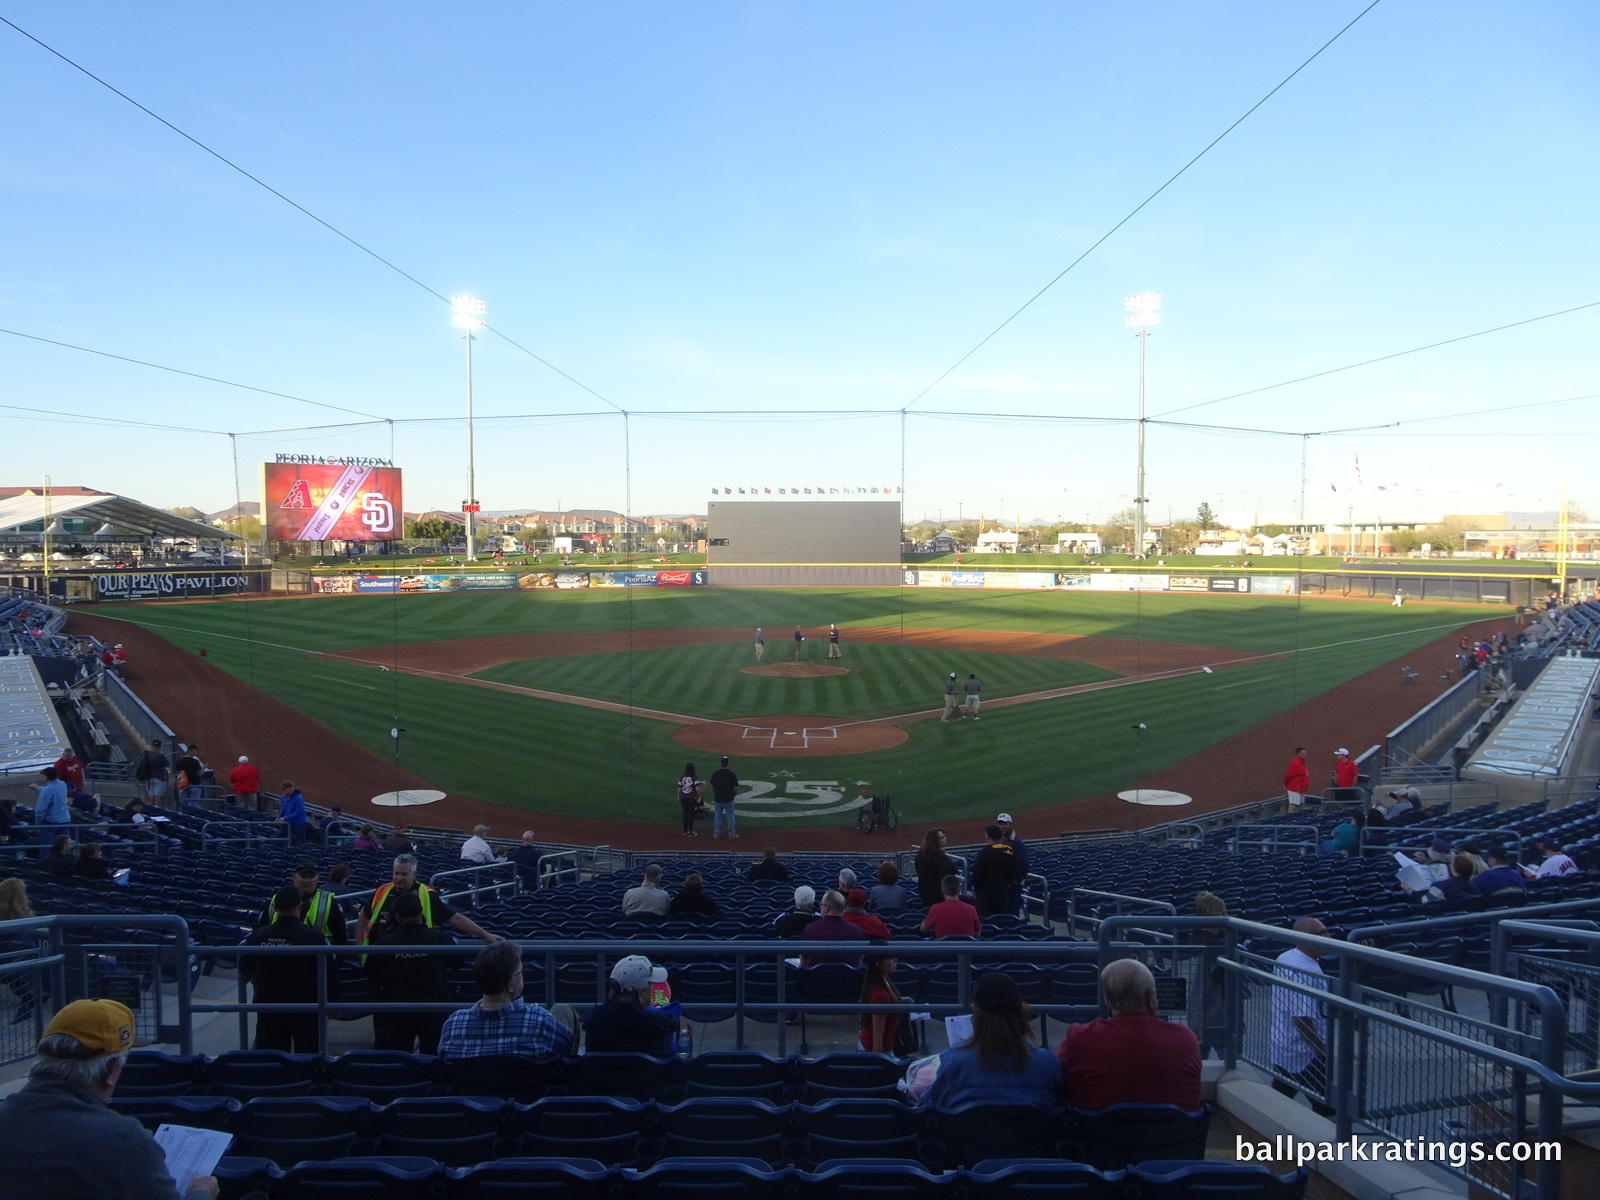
[554,757]
[709,681]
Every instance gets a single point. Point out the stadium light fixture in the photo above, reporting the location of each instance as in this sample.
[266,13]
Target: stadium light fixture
[466,314]
[1143,310]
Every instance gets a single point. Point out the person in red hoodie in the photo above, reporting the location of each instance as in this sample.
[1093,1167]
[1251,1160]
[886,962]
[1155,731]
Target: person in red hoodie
[245,779]
[856,913]
[1296,778]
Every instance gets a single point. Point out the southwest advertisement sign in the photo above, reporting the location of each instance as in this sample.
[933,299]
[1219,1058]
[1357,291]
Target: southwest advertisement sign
[321,502]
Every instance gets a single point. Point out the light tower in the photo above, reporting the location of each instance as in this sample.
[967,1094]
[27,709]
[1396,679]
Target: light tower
[1143,311]
[466,314]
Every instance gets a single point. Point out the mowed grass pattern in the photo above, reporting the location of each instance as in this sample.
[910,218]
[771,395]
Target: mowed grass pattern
[709,681]
[553,757]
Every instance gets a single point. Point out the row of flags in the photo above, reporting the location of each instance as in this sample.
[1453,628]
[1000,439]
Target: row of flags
[1361,483]
[794,491]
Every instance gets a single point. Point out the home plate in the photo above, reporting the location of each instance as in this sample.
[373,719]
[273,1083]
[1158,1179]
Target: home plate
[408,797]
[1155,796]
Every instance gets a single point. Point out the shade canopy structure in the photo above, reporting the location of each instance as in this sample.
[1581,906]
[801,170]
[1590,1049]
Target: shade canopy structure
[23,514]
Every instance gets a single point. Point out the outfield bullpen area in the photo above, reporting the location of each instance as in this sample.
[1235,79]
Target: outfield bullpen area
[582,706]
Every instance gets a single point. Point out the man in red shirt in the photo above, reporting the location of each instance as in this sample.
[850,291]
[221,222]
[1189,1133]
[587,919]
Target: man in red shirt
[952,916]
[1297,779]
[856,913]
[1132,1057]
[1345,772]
[245,779]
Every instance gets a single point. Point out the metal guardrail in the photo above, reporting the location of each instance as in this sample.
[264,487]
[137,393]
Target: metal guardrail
[1299,837]
[134,712]
[1084,923]
[1406,745]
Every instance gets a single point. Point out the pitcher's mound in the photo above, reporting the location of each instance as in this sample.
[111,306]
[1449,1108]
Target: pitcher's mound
[794,670]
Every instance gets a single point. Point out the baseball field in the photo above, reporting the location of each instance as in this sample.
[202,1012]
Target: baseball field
[585,705]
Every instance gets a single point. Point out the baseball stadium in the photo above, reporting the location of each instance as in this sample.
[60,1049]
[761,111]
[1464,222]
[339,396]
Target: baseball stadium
[1151,755]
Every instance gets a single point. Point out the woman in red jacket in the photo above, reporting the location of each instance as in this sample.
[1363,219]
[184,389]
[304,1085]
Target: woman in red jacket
[1296,779]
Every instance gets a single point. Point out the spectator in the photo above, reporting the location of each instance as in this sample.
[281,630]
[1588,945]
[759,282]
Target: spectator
[284,978]
[1471,850]
[365,842]
[693,898]
[69,769]
[62,858]
[1299,1039]
[61,1139]
[14,906]
[832,927]
[1502,878]
[292,813]
[475,851]
[525,859]
[412,976]
[186,770]
[318,907]
[245,780]
[1556,862]
[879,1029]
[847,880]
[649,897]
[627,1023]
[888,896]
[856,913]
[377,914]
[502,1022]
[724,788]
[91,864]
[398,842]
[793,923]
[994,873]
[1297,779]
[8,817]
[1346,837]
[1460,885]
[769,869]
[1019,852]
[1346,777]
[338,875]
[999,1063]
[334,825]
[1404,804]
[1213,939]
[51,814]
[690,790]
[933,864]
[1133,1056]
[952,916]
[151,770]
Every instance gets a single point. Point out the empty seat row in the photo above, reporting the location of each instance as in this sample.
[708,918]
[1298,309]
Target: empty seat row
[461,1131]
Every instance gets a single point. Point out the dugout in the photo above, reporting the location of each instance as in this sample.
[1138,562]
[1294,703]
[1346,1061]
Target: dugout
[803,543]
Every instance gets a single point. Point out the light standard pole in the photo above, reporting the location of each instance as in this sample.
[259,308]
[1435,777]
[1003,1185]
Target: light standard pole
[466,314]
[1143,311]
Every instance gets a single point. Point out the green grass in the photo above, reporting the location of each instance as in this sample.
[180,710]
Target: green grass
[554,757]
[709,681]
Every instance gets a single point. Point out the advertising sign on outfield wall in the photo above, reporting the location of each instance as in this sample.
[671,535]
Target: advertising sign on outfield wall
[572,579]
[1230,583]
[1113,582]
[1188,583]
[1272,585]
[320,502]
[681,578]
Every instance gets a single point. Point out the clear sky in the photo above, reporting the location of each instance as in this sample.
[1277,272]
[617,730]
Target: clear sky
[736,207]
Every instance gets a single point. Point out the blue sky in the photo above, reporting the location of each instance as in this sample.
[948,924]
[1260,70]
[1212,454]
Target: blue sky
[810,207]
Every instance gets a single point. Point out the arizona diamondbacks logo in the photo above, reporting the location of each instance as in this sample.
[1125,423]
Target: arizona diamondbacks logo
[299,496]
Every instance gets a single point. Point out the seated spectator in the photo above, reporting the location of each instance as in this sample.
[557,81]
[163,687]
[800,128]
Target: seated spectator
[91,864]
[62,859]
[933,864]
[526,858]
[14,906]
[338,875]
[365,842]
[879,1029]
[952,916]
[502,1022]
[1556,862]
[1473,851]
[847,880]
[832,927]
[693,898]
[999,1063]
[793,922]
[1133,1056]
[398,842]
[61,1139]
[131,813]
[626,1023]
[649,898]
[1460,885]
[1346,835]
[476,852]
[1404,804]
[888,896]
[1502,877]
[334,825]
[768,869]
[856,913]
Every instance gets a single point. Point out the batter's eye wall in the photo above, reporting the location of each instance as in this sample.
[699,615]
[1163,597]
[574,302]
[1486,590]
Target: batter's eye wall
[781,543]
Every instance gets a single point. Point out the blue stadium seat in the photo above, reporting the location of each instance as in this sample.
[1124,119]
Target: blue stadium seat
[880,1179]
[292,1129]
[632,1076]
[739,1073]
[381,1075]
[363,1179]
[858,1075]
[975,1132]
[601,1128]
[1120,1135]
[458,1131]
[1158,1180]
[707,991]
[711,1127]
[206,1112]
[508,1077]
[1041,1179]
[252,1073]
[705,1179]
[534,1179]
[861,1128]
[149,1073]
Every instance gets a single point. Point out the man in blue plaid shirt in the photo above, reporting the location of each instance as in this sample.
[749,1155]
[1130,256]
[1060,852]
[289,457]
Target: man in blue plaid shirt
[502,1022]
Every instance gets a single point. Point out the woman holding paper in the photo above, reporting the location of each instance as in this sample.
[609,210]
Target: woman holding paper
[1000,1063]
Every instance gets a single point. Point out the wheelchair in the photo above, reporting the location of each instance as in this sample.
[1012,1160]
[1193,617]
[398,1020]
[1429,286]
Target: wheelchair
[878,813]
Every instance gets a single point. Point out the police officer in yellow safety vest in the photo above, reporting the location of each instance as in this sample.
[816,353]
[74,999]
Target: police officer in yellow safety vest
[378,917]
[320,912]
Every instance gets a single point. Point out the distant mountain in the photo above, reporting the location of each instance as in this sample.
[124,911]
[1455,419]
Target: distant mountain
[245,508]
[189,511]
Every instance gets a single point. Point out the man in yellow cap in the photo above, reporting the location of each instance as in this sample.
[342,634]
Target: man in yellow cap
[61,1140]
